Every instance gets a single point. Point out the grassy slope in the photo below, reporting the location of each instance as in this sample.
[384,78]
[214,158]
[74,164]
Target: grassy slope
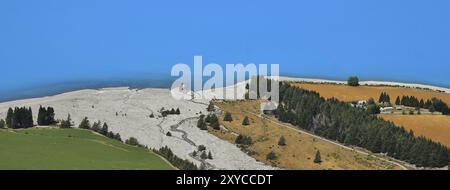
[435,127]
[301,148]
[71,149]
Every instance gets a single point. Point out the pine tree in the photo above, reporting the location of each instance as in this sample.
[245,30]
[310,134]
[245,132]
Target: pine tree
[271,156]
[201,148]
[210,155]
[9,118]
[211,107]
[432,109]
[246,121]
[104,129]
[282,141]
[66,123]
[85,124]
[397,101]
[96,126]
[228,117]
[203,155]
[2,124]
[50,116]
[318,159]
[41,115]
[353,81]
[201,124]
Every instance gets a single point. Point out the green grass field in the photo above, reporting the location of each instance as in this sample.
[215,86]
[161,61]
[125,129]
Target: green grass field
[73,149]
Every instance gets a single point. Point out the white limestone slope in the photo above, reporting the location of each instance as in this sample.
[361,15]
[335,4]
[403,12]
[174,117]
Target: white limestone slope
[133,108]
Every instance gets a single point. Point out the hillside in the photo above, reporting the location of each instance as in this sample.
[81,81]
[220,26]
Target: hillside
[435,127]
[301,148]
[74,149]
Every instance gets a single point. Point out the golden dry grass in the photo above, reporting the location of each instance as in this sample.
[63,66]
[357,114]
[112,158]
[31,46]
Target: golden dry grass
[349,93]
[301,148]
[435,127]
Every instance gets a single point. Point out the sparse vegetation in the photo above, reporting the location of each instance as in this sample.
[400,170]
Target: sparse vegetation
[299,152]
[210,155]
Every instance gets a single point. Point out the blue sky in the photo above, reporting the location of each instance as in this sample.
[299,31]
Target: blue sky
[47,41]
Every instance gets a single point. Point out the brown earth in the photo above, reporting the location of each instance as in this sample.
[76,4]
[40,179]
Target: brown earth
[301,148]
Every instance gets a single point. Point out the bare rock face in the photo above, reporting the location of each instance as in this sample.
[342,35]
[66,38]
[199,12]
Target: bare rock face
[127,111]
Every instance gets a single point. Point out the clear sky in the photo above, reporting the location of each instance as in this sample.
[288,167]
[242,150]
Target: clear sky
[49,41]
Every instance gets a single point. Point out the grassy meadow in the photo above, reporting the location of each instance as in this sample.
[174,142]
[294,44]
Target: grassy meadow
[73,149]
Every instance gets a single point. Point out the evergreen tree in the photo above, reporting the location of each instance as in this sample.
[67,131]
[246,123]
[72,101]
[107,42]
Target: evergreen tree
[210,107]
[201,124]
[397,101]
[132,141]
[117,137]
[9,118]
[46,116]
[337,120]
[246,121]
[203,155]
[66,123]
[318,159]
[271,156]
[96,126]
[85,124]
[210,155]
[228,117]
[214,122]
[353,81]
[201,148]
[282,141]
[2,124]
[104,129]
[41,115]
